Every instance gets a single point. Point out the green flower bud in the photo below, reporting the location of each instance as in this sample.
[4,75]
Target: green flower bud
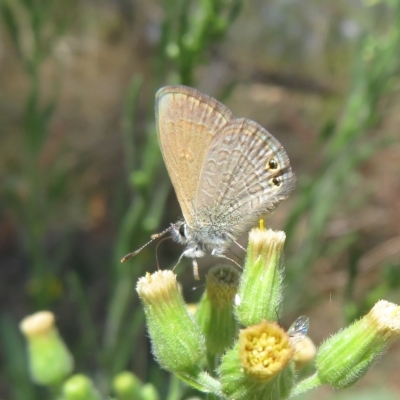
[177,342]
[49,359]
[80,387]
[345,357]
[215,312]
[258,366]
[127,386]
[149,392]
[260,293]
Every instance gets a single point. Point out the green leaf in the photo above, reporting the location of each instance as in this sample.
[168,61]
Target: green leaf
[11,24]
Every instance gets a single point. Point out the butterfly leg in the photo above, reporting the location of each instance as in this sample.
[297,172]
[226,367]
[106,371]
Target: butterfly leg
[215,253]
[195,270]
[239,245]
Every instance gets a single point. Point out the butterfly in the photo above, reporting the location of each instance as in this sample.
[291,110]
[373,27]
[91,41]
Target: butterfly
[227,172]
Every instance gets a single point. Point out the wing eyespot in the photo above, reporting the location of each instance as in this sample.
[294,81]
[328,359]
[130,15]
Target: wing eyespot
[277,181]
[272,164]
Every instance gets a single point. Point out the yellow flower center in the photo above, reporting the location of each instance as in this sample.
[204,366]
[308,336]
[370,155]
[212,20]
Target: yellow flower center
[265,350]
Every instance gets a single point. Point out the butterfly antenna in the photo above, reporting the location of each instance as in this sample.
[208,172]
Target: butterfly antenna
[153,237]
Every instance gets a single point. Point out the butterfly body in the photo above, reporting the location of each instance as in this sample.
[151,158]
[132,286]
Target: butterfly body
[201,240]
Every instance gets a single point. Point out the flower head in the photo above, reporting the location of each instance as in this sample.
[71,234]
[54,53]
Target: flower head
[345,357]
[260,290]
[258,366]
[265,350]
[49,359]
[176,339]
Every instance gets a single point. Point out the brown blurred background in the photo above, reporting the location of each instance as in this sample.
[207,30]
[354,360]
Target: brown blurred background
[82,181]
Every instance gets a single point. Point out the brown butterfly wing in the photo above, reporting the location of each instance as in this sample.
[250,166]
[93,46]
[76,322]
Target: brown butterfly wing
[245,174]
[186,122]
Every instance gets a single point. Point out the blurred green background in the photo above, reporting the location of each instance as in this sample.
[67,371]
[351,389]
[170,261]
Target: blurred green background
[82,181]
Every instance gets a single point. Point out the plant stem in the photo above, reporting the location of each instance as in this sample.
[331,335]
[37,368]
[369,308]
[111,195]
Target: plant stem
[306,385]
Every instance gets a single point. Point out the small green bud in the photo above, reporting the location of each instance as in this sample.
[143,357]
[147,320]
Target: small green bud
[345,357]
[177,342]
[80,387]
[149,392]
[127,386]
[49,359]
[258,366]
[260,292]
[172,50]
[215,312]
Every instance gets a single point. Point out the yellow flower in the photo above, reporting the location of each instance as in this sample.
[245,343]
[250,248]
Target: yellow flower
[265,350]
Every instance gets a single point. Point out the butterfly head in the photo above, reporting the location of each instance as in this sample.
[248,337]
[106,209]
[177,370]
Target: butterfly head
[183,234]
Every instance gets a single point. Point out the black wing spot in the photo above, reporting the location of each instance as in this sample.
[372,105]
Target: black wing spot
[277,181]
[273,164]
